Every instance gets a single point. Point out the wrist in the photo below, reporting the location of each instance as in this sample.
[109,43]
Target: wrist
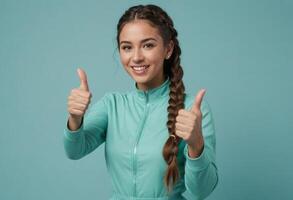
[195,151]
[74,123]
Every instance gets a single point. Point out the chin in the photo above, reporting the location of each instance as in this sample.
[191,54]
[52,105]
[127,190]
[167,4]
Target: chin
[140,79]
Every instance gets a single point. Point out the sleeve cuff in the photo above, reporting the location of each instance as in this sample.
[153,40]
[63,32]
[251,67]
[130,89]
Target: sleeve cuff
[73,135]
[198,163]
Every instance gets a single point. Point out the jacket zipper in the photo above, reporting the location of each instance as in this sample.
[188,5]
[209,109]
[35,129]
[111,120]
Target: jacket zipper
[134,163]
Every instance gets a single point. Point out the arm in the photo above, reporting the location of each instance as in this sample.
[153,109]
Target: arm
[201,176]
[90,134]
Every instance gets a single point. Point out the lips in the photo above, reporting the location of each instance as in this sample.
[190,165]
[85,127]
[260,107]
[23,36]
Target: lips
[140,69]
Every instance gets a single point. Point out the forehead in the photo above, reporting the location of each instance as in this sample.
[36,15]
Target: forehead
[138,30]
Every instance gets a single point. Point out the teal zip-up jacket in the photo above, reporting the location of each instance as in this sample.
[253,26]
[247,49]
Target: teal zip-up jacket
[133,127]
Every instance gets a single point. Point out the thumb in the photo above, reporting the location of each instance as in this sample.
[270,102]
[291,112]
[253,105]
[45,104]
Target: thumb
[198,99]
[83,80]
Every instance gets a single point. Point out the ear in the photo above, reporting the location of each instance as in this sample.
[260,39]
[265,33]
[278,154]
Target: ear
[170,48]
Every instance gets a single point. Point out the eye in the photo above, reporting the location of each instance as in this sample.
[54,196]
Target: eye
[149,45]
[126,48]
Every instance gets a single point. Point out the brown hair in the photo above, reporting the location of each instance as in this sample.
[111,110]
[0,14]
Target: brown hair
[172,68]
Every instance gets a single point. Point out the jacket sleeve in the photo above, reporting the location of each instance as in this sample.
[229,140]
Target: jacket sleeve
[90,134]
[201,175]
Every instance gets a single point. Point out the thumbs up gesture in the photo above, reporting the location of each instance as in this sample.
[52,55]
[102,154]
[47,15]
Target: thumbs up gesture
[79,98]
[188,126]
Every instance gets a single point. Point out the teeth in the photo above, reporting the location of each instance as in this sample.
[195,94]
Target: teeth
[139,68]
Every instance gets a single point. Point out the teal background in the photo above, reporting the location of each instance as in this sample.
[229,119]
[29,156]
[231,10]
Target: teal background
[241,51]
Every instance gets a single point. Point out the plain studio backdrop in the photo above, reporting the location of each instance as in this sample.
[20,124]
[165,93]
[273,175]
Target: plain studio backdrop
[240,51]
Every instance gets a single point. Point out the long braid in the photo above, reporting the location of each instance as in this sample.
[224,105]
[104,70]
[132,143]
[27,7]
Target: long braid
[176,102]
[173,70]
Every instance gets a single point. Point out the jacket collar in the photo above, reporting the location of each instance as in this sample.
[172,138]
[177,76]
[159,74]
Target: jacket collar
[153,94]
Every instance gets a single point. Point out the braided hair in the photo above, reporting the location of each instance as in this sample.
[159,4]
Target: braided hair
[172,68]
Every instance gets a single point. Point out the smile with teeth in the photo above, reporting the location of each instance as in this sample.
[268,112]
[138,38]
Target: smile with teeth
[140,68]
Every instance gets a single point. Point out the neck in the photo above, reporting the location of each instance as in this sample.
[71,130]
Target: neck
[155,84]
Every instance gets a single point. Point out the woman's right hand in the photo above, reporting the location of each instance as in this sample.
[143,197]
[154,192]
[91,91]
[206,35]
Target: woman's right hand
[78,101]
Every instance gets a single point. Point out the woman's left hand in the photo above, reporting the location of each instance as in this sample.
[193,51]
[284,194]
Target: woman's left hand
[188,126]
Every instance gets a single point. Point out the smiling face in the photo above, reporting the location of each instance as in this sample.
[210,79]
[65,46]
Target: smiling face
[142,53]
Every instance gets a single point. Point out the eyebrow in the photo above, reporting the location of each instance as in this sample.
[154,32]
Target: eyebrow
[142,41]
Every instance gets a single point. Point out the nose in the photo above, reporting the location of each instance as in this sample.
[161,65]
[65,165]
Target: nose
[137,56]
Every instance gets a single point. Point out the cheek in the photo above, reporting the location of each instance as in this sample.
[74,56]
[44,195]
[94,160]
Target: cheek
[124,58]
[158,55]
[157,58]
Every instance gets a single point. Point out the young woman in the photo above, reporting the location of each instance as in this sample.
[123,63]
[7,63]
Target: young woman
[159,141]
